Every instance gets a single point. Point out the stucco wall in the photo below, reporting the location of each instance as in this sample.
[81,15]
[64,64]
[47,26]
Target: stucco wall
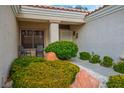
[104,36]
[8,40]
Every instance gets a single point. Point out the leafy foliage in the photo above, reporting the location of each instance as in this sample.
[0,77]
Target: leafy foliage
[119,67]
[46,75]
[95,59]
[116,81]
[107,61]
[85,56]
[63,49]
[23,62]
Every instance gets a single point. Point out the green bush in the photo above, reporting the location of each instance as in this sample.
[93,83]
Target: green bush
[95,59]
[85,55]
[46,75]
[116,81]
[119,67]
[107,61]
[63,49]
[22,62]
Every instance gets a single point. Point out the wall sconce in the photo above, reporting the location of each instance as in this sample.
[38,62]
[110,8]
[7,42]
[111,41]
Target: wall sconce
[76,35]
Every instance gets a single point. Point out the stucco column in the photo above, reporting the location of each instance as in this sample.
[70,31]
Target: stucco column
[54,31]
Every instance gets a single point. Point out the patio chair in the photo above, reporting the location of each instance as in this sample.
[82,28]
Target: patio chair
[21,51]
[39,51]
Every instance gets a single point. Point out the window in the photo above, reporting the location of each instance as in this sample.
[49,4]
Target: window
[32,38]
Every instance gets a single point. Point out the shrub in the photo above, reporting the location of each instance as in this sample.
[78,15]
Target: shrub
[22,62]
[85,55]
[119,67]
[46,75]
[95,59]
[116,81]
[63,49]
[107,61]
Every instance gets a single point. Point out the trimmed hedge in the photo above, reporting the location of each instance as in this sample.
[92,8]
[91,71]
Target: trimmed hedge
[107,61]
[63,49]
[119,67]
[116,81]
[23,62]
[46,75]
[85,56]
[95,59]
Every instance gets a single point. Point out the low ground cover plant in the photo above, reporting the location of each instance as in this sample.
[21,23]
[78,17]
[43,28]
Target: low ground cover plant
[46,75]
[95,59]
[116,81]
[119,67]
[22,62]
[63,49]
[107,61]
[85,56]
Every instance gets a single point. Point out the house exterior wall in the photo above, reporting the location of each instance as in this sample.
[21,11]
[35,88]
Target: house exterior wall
[104,35]
[8,40]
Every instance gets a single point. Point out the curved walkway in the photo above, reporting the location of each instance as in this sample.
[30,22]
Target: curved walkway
[99,72]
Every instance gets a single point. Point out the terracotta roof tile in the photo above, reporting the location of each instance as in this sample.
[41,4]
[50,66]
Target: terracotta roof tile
[96,10]
[59,8]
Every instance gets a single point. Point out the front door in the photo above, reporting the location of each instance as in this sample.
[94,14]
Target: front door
[66,35]
[32,41]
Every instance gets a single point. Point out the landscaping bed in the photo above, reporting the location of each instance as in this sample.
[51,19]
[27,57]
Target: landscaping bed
[116,81]
[53,71]
[57,71]
[42,74]
[22,62]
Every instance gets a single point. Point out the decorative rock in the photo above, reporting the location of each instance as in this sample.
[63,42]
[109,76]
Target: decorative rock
[122,57]
[85,80]
[51,56]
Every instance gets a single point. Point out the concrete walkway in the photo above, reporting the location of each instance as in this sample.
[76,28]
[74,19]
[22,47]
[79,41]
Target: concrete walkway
[95,67]
[97,71]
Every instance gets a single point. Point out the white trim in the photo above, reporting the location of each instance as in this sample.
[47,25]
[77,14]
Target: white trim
[16,9]
[47,14]
[103,12]
[51,12]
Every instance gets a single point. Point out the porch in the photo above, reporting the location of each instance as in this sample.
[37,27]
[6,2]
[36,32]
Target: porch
[34,36]
[40,26]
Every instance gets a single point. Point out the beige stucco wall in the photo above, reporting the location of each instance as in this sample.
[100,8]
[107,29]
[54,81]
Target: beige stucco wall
[8,40]
[104,36]
[37,25]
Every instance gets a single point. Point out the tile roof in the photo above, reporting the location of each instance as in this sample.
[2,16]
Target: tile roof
[96,10]
[59,8]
